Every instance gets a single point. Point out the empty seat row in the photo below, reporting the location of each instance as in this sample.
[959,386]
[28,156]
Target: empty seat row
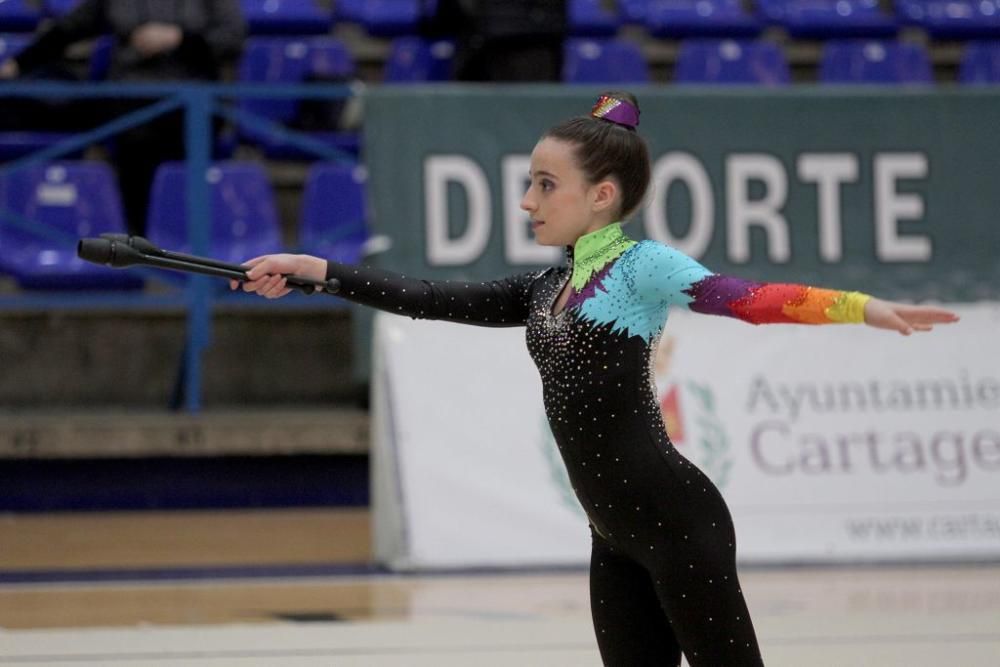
[411,59]
[597,60]
[587,60]
[44,209]
[823,19]
[761,62]
[944,19]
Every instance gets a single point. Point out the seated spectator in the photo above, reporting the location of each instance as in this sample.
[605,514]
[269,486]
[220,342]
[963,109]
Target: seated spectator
[155,41]
[503,40]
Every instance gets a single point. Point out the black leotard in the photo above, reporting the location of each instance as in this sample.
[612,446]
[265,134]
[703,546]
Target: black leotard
[663,570]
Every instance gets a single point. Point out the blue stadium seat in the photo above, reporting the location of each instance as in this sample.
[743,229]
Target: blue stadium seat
[333,223]
[19,15]
[731,62]
[291,60]
[953,19]
[633,11]
[413,59]
[604,61]
[100,57]
[680,19]
[14,144]
[17,143]
[288,60]
[12,43]
[56,8]
[826,19]
[382,18]
[287,17]
[64,201]
[244,214]
[349,11]
[592,18]
[874,62]
[980,63]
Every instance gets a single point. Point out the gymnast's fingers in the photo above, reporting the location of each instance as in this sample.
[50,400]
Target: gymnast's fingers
[274,287]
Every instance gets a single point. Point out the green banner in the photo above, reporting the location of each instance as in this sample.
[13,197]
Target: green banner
[888,191]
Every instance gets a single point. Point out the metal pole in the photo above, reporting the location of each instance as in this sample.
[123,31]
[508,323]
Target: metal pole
[198,146]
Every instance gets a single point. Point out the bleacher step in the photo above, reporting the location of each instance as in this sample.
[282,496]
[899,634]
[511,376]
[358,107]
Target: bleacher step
[115,434]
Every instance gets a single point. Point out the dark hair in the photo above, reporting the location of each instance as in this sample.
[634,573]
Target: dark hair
[606,149]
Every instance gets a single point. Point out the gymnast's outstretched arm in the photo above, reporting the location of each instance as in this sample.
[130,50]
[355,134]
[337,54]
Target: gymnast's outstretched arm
[668,274]
[497,303]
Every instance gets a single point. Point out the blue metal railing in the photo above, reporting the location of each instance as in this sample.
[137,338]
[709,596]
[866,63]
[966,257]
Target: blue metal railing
[199,103]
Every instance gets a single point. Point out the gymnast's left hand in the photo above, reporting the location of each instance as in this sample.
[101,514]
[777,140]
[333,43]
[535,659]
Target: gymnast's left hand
[266,274]
[905,318]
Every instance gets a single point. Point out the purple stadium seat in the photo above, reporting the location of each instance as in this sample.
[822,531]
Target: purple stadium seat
[414,60]
[953,19]
[679,19]
[874,62]
[19,15]
[44,210]
[287,17]
[333,222]
[244,214]
[592,18]
[731,62]
[980,64]
[826,19]
[289,60]
[604,61]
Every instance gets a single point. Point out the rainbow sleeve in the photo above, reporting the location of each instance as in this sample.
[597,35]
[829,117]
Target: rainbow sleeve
[768,303]
[666,275]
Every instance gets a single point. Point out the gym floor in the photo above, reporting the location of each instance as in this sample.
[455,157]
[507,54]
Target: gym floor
[296,587]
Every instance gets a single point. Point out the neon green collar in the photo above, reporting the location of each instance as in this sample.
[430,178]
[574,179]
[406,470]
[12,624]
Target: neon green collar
[596,250]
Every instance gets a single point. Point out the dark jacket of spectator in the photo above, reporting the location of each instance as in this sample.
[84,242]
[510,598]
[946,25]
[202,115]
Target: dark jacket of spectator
[212,33]
[503,40]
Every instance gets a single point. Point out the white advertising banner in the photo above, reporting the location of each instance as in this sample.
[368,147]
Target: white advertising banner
[831,443]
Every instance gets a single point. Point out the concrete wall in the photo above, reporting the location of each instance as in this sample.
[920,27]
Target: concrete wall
[129,359]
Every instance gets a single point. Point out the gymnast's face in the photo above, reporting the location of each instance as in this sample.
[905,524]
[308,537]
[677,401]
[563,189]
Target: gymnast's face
[562,204]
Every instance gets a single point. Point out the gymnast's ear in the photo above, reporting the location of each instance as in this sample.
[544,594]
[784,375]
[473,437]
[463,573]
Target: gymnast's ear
[604,195]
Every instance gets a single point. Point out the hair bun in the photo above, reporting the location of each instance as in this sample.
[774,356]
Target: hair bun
[616,110]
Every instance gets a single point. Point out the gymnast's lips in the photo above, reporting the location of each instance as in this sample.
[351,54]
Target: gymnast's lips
[535,224]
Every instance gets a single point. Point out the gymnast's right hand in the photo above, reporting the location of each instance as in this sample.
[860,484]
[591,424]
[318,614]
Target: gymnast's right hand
[266,274]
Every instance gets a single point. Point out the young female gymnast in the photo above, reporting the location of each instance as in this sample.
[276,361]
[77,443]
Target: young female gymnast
[663,567]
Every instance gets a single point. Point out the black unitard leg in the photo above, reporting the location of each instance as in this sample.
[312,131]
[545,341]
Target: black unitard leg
[674,588]
[697,583]
[631,628]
